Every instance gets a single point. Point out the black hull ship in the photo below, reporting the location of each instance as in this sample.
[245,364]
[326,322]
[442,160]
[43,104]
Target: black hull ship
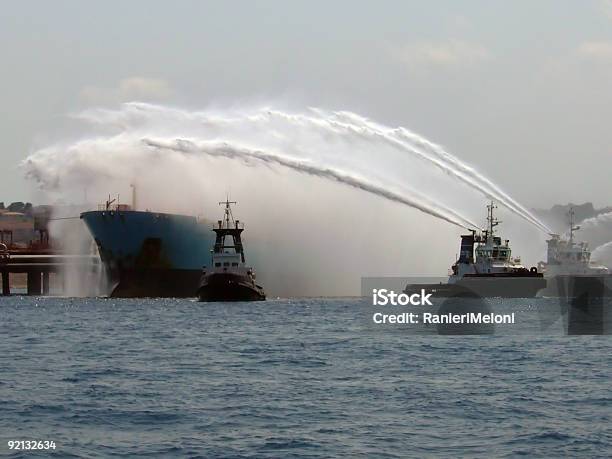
[228,278]
[486,269]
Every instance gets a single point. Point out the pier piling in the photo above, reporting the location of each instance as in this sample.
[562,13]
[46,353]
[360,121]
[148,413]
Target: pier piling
[6,286]
[34,283]
[45,283]
[38,266]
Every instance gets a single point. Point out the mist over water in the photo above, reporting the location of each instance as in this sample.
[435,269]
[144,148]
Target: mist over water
[597,230]
[75,239]
[603,254]
[324,194]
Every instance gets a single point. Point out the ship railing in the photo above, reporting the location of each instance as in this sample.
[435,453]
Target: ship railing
[222,225]
[114,207]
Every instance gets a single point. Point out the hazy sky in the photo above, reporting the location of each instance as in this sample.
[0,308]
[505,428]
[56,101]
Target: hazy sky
[522,89]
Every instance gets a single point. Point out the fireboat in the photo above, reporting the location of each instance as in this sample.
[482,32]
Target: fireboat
[486,268]
[568,263]
[229,278]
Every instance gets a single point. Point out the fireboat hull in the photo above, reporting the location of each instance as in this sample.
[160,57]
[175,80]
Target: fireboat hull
[229,287]
[577,285]
[493,286]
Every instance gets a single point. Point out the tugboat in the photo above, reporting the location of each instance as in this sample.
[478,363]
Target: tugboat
[229,279]
[492,272]
[568,261]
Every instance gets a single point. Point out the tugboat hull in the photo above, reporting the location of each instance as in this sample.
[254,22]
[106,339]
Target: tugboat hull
[229,287]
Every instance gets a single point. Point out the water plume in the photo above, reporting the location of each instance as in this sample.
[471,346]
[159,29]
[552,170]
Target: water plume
[598,220]
[225,150]
[418,146]
[299,134]
[595,230]
[603,254]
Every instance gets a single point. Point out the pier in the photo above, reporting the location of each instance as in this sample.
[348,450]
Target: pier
[38,265]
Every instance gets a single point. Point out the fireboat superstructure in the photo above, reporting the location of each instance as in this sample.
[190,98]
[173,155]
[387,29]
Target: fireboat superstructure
[569,270]
[492,256]
[566,257]
[228,278]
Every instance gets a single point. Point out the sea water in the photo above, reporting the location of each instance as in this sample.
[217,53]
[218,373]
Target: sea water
[291,378]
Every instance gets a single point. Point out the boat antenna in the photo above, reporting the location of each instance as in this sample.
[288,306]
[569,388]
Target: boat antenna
[573,228]
[228,217]
[492,222]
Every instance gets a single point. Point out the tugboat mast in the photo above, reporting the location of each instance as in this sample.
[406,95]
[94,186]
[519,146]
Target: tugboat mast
[228,218]
[492,222]
[573,228]
[228,227]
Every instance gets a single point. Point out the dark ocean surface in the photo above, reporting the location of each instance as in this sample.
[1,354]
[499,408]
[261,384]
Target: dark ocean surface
[291,378]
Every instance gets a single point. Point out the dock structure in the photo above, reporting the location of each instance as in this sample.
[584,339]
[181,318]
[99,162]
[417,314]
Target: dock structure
[38,265]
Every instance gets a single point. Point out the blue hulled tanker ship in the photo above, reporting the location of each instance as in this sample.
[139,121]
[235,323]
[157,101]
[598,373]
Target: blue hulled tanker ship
[149,254]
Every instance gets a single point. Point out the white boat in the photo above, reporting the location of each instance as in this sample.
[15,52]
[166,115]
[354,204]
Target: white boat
[568,260]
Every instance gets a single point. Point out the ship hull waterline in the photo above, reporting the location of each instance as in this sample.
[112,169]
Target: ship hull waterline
[229,287]
[485,287]
[576,285]
[154,283]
